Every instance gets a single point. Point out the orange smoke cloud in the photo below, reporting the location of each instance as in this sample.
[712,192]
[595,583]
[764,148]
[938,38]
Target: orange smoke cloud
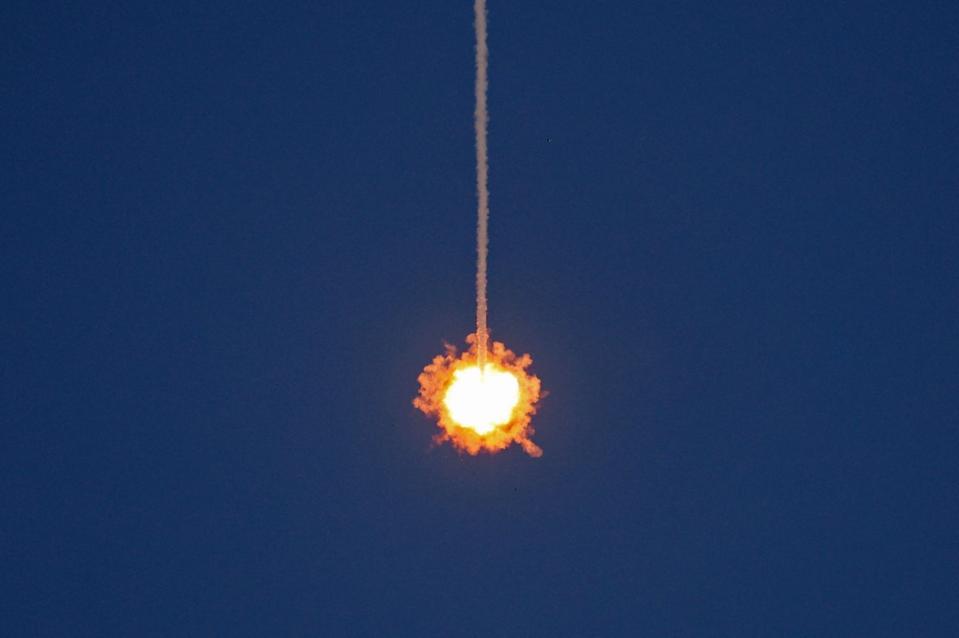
[481,412]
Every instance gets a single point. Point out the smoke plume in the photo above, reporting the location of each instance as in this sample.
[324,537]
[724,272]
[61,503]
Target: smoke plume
[480,120]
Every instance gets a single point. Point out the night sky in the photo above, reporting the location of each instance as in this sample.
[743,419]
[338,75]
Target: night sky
[233,233]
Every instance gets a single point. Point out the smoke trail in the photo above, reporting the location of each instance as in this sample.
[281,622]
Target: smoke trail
[480,120]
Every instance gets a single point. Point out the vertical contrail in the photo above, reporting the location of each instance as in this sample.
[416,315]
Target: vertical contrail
[480,119]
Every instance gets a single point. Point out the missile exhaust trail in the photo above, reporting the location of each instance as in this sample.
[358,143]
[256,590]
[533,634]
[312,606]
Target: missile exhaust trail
[480,121]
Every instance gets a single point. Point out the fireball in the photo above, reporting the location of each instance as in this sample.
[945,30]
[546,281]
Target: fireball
[481,408]
[481,400]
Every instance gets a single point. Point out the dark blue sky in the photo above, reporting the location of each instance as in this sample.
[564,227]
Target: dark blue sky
[233,233]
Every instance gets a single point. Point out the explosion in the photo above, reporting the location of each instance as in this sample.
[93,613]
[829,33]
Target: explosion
[481,409]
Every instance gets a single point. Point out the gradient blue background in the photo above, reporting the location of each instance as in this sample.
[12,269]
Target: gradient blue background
[232,234]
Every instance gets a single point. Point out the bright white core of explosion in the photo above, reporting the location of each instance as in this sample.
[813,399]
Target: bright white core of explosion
[482,400]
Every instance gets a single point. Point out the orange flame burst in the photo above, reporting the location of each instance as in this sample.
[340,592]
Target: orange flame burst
[494,429]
